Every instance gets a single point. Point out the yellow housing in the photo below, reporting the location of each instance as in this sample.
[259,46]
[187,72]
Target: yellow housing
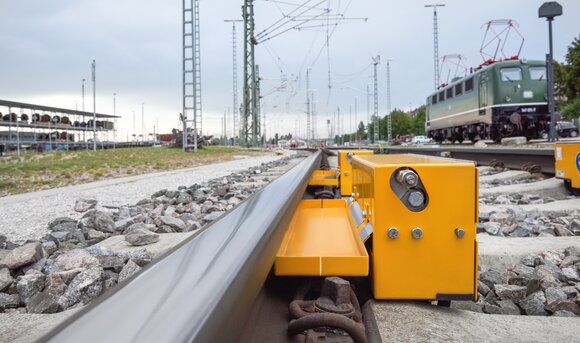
[440,265]
[345,167]
[567,157]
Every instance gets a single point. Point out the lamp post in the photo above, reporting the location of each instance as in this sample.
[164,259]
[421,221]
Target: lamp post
[549,10]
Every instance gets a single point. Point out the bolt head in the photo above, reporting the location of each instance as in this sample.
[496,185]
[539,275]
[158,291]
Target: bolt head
[393,233]
[459,232]
[416,198]
[417,233]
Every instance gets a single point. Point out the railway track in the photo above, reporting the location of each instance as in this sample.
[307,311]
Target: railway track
[217,280]
[529,159]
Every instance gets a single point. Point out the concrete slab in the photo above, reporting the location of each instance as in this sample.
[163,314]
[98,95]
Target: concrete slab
[165,243]
[508,175]
[550,187]
[501,253]
[559,207]
[420,322]
[26,327]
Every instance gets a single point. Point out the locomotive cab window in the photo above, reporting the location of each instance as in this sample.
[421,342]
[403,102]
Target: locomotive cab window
[434,99]
[511,74]
[450,93]
[538,73]
[468,85]
[441,96]
[458,89]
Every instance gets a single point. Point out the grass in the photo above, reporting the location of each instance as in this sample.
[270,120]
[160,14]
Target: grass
[34,171]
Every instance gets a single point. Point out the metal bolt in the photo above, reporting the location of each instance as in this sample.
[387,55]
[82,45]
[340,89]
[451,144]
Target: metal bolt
[417,233]
[364,213]
[346,173]
[393,233]
[459,232]
[407,177]
[416,198]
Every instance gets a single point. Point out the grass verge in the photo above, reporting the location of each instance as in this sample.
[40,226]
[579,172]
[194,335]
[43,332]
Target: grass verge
[35,171]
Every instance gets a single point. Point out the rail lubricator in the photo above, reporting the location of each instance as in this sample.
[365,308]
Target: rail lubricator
[417,216]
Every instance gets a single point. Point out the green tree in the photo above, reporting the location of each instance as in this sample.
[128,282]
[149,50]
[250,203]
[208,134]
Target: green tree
[360,132]
[418,121]
[567,77]
[401,124]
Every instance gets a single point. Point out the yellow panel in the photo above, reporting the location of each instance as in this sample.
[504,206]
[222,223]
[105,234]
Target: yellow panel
[439,262]
[345,168]
[321,240]
[567,157]
[323,178]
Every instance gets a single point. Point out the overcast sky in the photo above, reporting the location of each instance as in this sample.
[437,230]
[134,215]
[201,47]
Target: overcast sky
[47,48]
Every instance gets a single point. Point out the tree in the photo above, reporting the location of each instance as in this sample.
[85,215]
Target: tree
[360,132]
[567,77]
[418,121]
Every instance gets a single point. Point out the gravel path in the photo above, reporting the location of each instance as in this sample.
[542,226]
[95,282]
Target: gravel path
[25,216]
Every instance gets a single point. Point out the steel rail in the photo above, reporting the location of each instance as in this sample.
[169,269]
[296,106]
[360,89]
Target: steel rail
[512,158]
[202,290]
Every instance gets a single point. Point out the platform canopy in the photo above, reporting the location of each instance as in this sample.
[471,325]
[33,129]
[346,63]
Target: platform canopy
[33,107]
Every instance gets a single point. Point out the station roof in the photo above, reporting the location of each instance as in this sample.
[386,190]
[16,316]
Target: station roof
[33,107]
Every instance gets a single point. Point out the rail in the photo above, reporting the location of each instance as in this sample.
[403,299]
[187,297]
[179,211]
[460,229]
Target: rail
[203,289]
[529,159]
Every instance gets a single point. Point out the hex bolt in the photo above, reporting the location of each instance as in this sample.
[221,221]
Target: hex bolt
[459,232]
[407,177]
[417,233]
[393,232]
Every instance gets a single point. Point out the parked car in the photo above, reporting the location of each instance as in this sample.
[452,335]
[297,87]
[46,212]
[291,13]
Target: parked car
[421,139]
[566,129]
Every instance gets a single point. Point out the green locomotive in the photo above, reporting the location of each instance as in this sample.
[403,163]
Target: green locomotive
[502,99]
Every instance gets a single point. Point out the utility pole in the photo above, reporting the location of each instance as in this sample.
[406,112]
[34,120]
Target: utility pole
[191,72]
[435,42]
[356,117]
[115,114]
[368,112]
[94,67]
[308,110]
[235,75]
[389,123]
[376,136]
[143,122]
[83,107]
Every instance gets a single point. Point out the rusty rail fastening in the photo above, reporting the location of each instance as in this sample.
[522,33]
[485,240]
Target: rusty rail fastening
[337,307]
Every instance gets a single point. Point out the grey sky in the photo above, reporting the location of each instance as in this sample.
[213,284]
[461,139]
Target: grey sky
[47,48]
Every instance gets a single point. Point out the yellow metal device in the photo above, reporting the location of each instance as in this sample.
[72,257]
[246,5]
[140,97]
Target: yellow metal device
[323,178]
[322,240]
[567,156]
[423,212]
[345,167]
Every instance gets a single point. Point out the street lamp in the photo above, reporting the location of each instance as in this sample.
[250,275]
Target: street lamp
[549,10]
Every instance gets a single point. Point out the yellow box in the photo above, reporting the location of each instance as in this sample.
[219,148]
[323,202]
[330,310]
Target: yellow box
[323,178]
[322,240]
[439,265]
[567,157]
[345,168]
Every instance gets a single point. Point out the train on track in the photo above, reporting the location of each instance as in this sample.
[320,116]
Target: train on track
[497,100]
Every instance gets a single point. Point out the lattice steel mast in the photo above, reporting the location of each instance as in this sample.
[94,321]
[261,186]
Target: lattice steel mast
[308,109]
[236,104]
[376,61]
[249,120]
[192,115]
[389,122]
[435,42]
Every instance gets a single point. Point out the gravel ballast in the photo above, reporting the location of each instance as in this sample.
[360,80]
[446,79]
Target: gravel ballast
[26,216]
